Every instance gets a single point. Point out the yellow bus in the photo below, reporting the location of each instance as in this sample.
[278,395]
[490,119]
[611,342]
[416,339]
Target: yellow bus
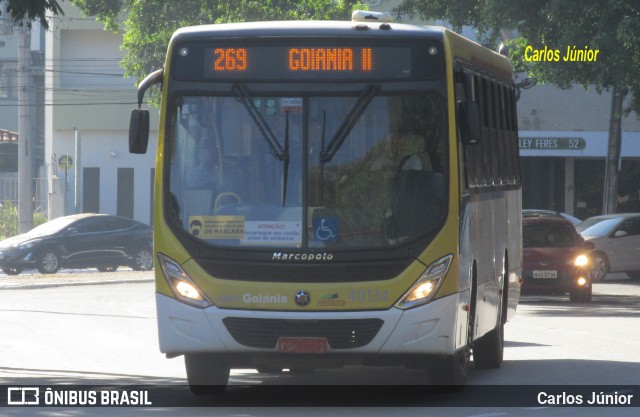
[330,194]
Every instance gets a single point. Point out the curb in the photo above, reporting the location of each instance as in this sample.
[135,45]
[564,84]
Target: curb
[35,286]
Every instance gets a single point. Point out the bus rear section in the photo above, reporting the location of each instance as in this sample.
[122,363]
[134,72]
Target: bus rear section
[307,205]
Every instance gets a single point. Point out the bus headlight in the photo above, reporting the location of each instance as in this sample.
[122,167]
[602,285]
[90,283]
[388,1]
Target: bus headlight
[181,283]
[427,285]
[582,260]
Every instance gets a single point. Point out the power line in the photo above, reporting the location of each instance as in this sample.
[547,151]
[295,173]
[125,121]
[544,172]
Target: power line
[133,103]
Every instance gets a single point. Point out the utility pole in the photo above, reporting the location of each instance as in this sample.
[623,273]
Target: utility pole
[25,192]
[77,186]
[612,169]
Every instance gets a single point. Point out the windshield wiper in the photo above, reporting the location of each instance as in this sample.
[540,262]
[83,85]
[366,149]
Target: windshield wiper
[280,153]
[285,160]
[244,96]
[349,122]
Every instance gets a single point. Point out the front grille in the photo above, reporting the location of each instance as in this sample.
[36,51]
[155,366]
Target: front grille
[264,333]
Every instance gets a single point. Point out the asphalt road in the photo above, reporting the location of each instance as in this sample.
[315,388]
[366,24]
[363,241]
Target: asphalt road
[67,330]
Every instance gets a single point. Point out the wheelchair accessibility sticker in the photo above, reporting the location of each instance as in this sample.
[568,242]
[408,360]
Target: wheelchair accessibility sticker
[326,229]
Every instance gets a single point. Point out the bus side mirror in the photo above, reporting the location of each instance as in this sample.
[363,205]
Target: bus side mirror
[139,122]
[469,118]
[139,131]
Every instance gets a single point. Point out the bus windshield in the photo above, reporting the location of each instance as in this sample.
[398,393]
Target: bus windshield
[345,172]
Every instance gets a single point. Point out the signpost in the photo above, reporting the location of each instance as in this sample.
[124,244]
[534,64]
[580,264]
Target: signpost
[65,162]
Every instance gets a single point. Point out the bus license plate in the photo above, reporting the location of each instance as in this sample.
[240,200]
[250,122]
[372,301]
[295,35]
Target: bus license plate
[303,345]
[545,274]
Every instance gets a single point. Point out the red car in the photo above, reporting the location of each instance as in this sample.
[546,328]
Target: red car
[555,258]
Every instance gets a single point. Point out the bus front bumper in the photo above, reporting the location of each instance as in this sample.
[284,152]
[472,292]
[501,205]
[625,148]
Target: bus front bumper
[429,329]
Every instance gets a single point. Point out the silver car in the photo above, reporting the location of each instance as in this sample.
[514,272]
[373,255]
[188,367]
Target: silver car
[617,244]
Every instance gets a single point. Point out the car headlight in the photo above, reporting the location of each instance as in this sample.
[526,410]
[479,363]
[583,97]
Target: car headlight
[28,244]
[425,288]
[181,283]
[582,260]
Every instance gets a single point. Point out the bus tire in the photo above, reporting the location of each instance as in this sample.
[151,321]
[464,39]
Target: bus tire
[207,373]
[488,351]
[633,274]
[451,371]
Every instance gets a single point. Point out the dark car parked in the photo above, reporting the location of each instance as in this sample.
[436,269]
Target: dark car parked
[555,258]
[79,241]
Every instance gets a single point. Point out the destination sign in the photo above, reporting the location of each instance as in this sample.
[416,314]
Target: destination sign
[308,60]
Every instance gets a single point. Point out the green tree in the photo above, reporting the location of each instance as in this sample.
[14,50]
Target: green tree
[32,10]
[149,24]
[611,27]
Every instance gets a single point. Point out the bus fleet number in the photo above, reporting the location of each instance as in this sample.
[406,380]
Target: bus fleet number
[369,296]
[230,59]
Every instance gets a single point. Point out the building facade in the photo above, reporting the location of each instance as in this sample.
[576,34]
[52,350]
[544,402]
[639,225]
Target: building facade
[563,146]
[564,137]
[88,104]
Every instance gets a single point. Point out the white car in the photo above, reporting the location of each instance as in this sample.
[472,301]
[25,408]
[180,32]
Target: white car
[617,244]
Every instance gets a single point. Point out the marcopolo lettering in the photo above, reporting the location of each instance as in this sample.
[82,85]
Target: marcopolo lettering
[309,257]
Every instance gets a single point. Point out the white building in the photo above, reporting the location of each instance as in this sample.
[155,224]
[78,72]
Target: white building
[563,141]
[87,99]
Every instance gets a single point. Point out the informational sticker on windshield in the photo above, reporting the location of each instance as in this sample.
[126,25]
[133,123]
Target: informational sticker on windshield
[326,229]
[272,232]
[291,105]
[217,227]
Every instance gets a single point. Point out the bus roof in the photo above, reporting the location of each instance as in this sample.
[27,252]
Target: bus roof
[308,28]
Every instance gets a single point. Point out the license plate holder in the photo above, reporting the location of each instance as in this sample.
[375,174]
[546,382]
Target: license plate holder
[545,274]
[301,345]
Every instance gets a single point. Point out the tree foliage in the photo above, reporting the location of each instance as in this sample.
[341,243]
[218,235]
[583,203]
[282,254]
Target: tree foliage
[612,27]
[32,10]
[149,24]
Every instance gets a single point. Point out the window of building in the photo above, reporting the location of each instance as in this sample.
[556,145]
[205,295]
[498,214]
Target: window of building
[8,79]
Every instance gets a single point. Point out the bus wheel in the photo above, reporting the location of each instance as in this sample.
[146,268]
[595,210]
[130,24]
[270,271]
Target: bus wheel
[633,274]
[207,373]
[451,370]
[488,351]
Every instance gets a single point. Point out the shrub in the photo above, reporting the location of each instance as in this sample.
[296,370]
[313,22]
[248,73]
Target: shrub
[9,219]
